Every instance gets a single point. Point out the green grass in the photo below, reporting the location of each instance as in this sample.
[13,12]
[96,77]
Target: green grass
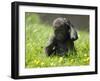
[37,36]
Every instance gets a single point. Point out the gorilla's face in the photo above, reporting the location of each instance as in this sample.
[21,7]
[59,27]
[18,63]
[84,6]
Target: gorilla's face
[62,32]
[63,29]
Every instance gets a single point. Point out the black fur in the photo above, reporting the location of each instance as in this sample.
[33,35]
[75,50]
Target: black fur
[64,36]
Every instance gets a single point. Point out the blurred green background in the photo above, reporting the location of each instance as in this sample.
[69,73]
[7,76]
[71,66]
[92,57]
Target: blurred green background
[39,30]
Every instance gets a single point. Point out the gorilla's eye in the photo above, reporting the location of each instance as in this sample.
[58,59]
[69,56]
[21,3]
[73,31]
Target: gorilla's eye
[68,27]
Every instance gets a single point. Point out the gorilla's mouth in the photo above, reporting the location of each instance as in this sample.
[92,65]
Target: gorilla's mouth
[60,36]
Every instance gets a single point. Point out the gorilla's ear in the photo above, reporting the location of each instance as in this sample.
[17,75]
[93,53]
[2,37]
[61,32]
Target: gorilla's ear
[73,32]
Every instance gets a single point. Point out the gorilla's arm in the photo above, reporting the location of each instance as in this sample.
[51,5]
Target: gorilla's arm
[73,33]
[50,49]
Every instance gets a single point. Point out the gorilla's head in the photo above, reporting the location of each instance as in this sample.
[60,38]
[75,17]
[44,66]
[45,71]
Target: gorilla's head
[63,29]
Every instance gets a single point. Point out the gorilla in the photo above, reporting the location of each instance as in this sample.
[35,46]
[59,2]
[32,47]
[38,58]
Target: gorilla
[64,36]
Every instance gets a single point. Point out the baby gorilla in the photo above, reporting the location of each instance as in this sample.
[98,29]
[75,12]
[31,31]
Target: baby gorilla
[64,36]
